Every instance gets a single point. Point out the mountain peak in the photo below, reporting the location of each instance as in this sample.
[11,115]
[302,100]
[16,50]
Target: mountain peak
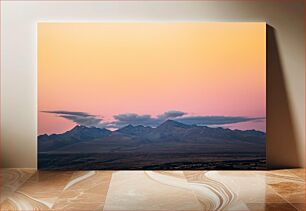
[79,127]
[133,130]
[128,126]
[171,123]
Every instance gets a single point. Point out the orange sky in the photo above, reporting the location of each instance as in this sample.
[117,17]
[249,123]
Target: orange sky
[149,68]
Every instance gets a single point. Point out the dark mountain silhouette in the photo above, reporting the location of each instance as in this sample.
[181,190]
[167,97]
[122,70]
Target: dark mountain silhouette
[75,135]
[171,145]
[169,137]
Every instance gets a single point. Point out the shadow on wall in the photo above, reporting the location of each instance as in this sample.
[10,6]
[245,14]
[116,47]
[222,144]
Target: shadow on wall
[281,141]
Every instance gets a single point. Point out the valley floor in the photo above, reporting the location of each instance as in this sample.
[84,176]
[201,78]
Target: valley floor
[28,189]
[152,161]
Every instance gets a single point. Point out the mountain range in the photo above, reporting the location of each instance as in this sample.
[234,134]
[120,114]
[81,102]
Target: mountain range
[169,137]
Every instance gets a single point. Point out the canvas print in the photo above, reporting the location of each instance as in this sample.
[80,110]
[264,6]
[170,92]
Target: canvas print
[151,95]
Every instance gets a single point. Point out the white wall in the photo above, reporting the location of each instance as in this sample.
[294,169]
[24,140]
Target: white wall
[286,72]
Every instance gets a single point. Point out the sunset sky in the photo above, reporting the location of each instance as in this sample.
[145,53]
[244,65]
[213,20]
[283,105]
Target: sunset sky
[102,70]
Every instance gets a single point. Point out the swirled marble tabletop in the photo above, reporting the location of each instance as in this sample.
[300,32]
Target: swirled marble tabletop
[28,189]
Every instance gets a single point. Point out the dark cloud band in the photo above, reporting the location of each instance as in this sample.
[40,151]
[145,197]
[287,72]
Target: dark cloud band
[215,120]
[121,120]
[80,118]
[69,113]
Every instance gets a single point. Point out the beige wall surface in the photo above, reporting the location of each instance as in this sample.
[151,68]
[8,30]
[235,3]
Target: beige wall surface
[285,63]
